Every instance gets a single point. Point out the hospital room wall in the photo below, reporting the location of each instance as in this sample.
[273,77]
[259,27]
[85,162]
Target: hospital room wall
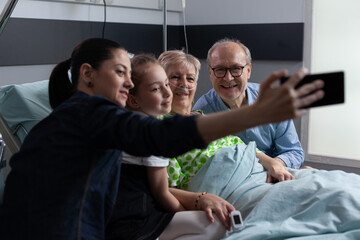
[206,14]
[243,19]
[198,12]
[54,13]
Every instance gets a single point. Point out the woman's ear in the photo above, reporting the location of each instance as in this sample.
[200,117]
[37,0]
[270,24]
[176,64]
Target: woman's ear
[87,74]
[132,102]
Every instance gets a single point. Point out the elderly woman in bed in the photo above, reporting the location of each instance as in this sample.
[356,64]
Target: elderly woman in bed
[183,71]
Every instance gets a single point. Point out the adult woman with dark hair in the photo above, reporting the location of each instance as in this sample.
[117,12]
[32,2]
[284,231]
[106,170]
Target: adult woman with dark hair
[64,180]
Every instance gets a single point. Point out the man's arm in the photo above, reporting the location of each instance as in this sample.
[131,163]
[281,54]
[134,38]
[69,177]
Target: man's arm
[287,145]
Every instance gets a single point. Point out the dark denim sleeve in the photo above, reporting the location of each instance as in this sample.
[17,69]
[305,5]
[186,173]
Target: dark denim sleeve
[115,127]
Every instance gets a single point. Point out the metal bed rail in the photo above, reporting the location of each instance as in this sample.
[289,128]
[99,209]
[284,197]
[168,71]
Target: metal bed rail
[6,13]
[12,141]
[2,153]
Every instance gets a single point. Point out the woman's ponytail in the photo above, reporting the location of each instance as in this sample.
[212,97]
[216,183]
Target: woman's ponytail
[93,51]
[60,86]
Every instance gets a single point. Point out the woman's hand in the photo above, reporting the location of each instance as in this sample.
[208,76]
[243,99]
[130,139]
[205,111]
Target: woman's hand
[274,104]
[285,102]
[211,203]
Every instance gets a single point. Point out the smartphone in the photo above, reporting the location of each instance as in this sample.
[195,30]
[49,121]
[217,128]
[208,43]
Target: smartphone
[334,87]
[236,220]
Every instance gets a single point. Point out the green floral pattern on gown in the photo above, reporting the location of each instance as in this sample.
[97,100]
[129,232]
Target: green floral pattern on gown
[182,168]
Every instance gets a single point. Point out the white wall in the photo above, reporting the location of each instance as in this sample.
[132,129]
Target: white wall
[244,11]
[87,12]
[24,74]
[334,130]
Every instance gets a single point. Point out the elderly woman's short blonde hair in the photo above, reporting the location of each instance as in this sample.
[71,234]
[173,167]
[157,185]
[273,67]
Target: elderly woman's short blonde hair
[178,57]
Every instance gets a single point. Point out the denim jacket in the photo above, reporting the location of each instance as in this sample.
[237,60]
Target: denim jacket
[65,178]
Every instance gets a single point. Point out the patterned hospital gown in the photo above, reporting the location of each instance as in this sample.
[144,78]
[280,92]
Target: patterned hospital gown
[182,168]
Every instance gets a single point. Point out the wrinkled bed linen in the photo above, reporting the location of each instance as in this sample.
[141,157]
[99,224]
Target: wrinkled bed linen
[317,205]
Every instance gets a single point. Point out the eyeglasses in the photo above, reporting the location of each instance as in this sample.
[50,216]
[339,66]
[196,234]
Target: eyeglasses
[220,72]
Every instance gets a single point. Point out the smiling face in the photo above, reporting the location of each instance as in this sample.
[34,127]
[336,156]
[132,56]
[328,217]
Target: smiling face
[153,95]
[183,84]
[232,90]
[113,79]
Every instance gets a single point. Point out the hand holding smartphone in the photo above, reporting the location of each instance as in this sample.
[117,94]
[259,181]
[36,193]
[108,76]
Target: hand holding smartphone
[334,87]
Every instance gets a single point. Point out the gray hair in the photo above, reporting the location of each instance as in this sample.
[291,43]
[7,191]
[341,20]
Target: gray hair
[227,40]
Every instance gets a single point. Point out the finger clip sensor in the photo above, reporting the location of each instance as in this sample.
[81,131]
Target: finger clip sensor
[236,221]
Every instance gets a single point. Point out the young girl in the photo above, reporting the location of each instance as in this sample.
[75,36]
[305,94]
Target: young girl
[152,96]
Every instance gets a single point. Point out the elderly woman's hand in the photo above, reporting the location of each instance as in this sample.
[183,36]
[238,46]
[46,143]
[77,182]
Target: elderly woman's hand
[211,203]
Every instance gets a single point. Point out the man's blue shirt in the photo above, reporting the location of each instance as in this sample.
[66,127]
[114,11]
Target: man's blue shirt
[276,140]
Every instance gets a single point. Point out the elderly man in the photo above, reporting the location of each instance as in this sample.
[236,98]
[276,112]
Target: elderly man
[229,66]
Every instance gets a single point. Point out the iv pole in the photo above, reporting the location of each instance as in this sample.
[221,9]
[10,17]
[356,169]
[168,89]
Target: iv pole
[6,13]
[164,27]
